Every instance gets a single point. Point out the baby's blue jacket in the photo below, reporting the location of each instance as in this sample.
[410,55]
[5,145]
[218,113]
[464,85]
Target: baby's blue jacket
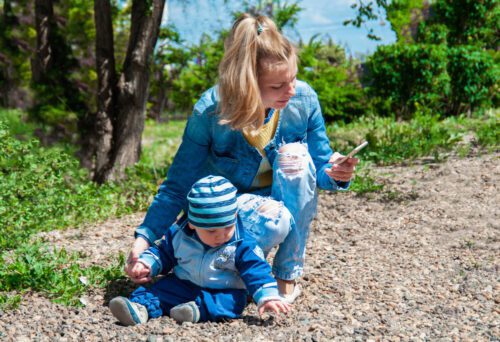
[238,264]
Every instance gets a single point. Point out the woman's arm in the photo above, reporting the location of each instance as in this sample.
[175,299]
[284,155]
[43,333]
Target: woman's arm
[321,152]
[187,167]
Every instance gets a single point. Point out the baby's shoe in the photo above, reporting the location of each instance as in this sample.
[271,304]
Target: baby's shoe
[187,312]
[127,312]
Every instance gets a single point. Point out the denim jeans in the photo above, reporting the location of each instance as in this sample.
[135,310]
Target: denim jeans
[283,218]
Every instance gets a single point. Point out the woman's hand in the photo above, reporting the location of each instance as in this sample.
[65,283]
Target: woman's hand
[344,171]
[140,245]
[275,306]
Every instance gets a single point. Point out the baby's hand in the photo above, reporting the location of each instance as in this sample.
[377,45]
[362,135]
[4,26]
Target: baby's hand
[139,273]
[275,306]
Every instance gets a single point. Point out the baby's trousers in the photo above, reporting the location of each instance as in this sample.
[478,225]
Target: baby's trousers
[214,305]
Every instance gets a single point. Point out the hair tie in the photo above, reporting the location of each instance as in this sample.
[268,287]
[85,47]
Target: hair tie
[259,29]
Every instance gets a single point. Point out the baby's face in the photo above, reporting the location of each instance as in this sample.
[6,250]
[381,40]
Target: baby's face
[214,237]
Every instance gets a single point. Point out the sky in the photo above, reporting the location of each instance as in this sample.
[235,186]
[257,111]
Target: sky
[324,17]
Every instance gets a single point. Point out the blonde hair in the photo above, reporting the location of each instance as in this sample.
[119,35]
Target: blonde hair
[251,40]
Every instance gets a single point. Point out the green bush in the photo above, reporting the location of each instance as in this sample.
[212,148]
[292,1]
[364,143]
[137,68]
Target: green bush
[16,123]
[334,80]
[431,33]
[409,76]
[200,74]
[44,189]
[473,74]
[469,22]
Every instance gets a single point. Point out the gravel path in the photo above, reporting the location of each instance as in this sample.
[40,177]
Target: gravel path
[417,261]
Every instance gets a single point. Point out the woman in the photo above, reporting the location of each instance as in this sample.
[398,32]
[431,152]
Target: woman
[263,130]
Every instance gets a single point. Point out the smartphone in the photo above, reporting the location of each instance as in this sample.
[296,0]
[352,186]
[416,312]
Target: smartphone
[351,154]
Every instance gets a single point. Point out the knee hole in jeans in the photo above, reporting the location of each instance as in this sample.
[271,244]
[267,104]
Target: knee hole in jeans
[270,209]
[292,158]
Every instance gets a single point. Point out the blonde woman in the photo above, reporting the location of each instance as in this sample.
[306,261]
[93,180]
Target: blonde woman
[263,130]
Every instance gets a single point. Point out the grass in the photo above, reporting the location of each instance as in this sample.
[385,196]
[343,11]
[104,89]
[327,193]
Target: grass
[160,142]
[53,272]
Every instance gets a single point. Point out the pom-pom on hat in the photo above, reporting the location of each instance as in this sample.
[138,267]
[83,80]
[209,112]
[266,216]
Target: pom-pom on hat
[212,203]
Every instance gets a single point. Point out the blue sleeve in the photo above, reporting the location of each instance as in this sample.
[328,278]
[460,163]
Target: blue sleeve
[160,256]
[184,171]
[256,273]
[319,148]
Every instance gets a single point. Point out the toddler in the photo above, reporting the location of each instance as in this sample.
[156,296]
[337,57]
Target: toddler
[215,265]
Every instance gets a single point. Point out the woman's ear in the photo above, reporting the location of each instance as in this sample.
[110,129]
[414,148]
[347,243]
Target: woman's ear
[190,226]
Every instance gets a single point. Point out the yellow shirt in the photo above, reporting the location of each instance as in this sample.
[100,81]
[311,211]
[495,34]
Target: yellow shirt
[264,175]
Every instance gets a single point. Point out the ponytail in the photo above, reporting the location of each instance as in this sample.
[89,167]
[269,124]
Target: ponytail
[251,39]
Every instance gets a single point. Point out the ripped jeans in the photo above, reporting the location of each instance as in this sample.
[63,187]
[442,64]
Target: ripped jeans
[283,218]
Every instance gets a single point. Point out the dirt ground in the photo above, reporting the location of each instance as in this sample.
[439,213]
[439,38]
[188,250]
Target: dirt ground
[417,261]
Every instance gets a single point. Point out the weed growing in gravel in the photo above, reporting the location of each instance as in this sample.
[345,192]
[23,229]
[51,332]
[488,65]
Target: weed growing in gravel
[363,183]
[391,141]
[9,302]
[53,272]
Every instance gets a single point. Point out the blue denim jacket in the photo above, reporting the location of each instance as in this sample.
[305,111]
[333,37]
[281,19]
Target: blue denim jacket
[210,148]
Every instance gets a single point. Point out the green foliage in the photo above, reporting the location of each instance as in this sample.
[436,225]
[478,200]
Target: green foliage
[409,76]
[284,14]
[473,74]
[44,189]
[470,22]
[482,129]
[363,183]
[366,11]
[9,302]
[432,33]
[55,84]
[336,82]
[15,42]
[53,272]
[487,131]
[200,74]
[392,141]
[404,16]
[160,145]
[16,123]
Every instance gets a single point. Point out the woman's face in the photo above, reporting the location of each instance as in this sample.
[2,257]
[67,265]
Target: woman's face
[277,83]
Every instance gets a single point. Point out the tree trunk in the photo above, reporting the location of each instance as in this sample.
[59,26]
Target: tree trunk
[132,90]
[160,97]
[100,140]
[44,22]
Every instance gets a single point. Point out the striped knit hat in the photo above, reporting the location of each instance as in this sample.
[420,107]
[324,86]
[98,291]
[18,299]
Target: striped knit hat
[212,203]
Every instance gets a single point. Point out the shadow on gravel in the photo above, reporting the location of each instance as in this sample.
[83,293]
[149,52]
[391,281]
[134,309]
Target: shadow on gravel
[118,287]
[270,321]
